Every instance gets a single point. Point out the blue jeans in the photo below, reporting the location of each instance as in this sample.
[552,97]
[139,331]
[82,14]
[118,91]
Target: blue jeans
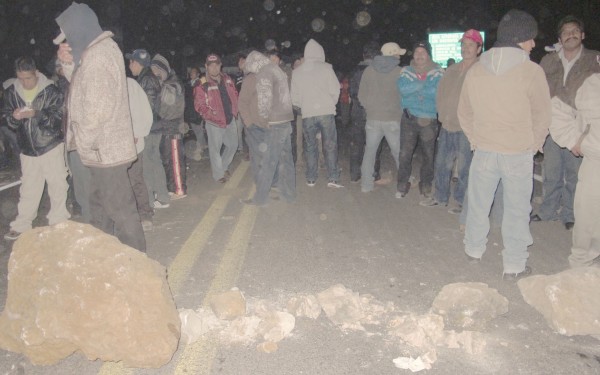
[452,146]
[153,170]
[310,127]
[217,138]
[375,131]
[560,179]
[274,154]
[516,174]
[411,133]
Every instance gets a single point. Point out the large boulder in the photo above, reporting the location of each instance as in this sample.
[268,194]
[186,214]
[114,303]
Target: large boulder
[469,305]
[74,288]
[569,300]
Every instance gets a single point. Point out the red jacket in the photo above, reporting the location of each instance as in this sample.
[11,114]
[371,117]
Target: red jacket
[207,100]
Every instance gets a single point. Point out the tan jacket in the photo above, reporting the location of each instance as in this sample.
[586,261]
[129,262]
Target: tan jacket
[99,123]
[448,94]
[504,104]
[248,101]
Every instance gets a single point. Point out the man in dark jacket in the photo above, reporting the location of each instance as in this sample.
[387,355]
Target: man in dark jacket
[152,167]
[33,107]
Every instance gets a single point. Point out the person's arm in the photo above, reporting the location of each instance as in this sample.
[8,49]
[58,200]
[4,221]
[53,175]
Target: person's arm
[541,109]
[201,101]
[465,112]
[50,116]
[563,128]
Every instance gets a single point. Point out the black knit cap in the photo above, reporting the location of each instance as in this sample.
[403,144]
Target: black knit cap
[515,27]
[423,44]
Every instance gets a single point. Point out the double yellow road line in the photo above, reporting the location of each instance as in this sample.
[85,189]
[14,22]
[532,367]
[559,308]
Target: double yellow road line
[198,357]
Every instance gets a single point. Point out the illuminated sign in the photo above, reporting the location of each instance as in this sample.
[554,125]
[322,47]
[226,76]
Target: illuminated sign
[446,46]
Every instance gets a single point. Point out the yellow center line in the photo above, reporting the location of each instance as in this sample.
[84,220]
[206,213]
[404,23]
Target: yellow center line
[179,270]
[197,358]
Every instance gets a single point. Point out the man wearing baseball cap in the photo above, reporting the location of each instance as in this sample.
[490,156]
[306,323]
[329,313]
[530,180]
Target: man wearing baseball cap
[418,86]
[379,96]
[216,99]
[505,111]
[452,144]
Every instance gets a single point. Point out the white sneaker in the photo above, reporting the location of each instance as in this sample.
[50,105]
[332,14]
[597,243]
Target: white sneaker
[429,202]
[158,204]
[400,195]
[334,184]
[175,196]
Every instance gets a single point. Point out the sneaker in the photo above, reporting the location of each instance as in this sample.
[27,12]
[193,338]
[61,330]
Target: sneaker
[355,180]
[147,225]
[227,174]
[159,204]
[400,194]
[222,180]
[516,276]
[175,196]
[382,181]
[310,183]
[429,202]
[12,235]
[334,184]
[455,210]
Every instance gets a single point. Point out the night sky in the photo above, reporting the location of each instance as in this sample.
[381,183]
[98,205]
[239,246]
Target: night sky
[185,31]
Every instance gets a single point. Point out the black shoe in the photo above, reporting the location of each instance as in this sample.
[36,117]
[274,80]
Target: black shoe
[533,218]
[516,276]
[569,225]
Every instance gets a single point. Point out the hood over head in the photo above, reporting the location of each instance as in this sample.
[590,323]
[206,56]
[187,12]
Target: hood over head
[500,60]
[385,64]
[255,62]
[160,62]
[314,51]
[79,26]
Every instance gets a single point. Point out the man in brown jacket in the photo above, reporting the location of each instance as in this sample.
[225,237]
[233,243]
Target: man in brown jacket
[99,123]
[566,69]
[505,111]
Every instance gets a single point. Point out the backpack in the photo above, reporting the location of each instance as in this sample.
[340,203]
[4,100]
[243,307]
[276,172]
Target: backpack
[172,100]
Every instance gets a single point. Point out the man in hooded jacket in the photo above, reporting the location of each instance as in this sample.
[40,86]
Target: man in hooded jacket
[99,123]
[270,124]
[316,90]
[505,111]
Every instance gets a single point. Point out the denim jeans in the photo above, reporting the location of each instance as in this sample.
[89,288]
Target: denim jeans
[560,179]
[516,174]
[81,184]
[154,172]
[274,154]
[375,131]
[310,127]
[452,146]
[411,133]
[217,138]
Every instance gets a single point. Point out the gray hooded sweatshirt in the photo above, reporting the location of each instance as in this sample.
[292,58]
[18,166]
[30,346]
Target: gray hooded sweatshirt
[315,87]
[378,92]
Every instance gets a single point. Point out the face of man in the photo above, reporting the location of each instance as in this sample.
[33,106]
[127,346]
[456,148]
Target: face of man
[194,73]
[28,79]
[275,59]
[469,49]
[213,69]
[421,57]
[135,67]
[527,46]
[241,63]
[571,36]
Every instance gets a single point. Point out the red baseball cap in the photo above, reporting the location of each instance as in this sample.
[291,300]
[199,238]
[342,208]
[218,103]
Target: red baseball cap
[474,35]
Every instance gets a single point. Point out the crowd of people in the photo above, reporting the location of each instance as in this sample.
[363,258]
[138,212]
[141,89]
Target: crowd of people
[475,128]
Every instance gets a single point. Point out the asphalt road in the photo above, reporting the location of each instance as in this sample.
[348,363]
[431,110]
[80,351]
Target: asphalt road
[394,250]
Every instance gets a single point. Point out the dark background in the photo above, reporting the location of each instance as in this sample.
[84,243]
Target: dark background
[185,31]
